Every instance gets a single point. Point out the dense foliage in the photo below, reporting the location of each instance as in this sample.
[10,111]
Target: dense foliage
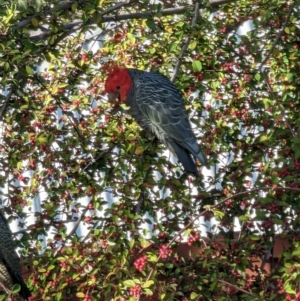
[64,157]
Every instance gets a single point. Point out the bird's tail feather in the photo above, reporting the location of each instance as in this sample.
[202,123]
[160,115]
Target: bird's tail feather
[200,156]
[183,156]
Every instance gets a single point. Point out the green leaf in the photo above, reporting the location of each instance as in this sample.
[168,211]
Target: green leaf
[29,70]
[124,107]
[96,17]
[193,45]
[150,24]
[42,138]
[139,150]
[244,218]
[74,6]
[16,288]
[131,243]
[255,237]
[257,76]
[35,22]
[194,296]
[129,283]
[296,252]
[148,292]
[6,66]
[197,66]
[147,283]
[263,138]
[80,295]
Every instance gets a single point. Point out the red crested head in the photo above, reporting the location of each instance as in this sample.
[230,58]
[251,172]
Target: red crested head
[119,82]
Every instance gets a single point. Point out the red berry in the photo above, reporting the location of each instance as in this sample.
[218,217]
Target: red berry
[135,291]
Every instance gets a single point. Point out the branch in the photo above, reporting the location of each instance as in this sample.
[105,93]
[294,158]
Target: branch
[281,108]
[61,7]
[238,288]
[229,198]
[115,18]
[9,95]
[143,15]
[186,44]
[77,223]
[215,206]
[67,5]
[278,37]
[60,106]
[217,3]
[116,6]
[4,288]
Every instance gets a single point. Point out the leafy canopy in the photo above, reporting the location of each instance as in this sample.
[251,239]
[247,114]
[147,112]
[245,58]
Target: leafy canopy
[62,149]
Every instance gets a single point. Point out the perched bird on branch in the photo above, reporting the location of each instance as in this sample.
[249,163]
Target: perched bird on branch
[10,268]
[156,104]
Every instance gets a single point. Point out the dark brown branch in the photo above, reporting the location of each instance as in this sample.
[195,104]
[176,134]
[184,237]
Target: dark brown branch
[217,3]
[186,44]
[61,7]
[238,288]
[116,6]
[65,6]
[141,15]
[144,15]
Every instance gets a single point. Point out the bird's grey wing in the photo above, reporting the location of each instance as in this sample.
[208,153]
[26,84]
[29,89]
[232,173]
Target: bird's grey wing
[10,258]
[163,106]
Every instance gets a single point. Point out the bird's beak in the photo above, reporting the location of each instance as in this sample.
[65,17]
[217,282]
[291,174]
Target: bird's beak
[114,97]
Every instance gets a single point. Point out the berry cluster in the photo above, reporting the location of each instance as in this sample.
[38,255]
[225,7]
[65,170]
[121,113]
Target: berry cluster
[140,263]
[165,251]
[135,291]
[194,236]
[267,224]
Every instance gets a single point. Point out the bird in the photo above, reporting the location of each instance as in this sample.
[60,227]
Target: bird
[158,107]
[10,268]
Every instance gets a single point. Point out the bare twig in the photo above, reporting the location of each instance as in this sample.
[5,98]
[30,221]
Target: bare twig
[186,43]
[77,223]
[105,153]
[141,198]
[10,89]
[277,37]
[5,289]
[266,256]
[238,288]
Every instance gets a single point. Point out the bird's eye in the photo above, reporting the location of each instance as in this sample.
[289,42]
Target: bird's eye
[118,87]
